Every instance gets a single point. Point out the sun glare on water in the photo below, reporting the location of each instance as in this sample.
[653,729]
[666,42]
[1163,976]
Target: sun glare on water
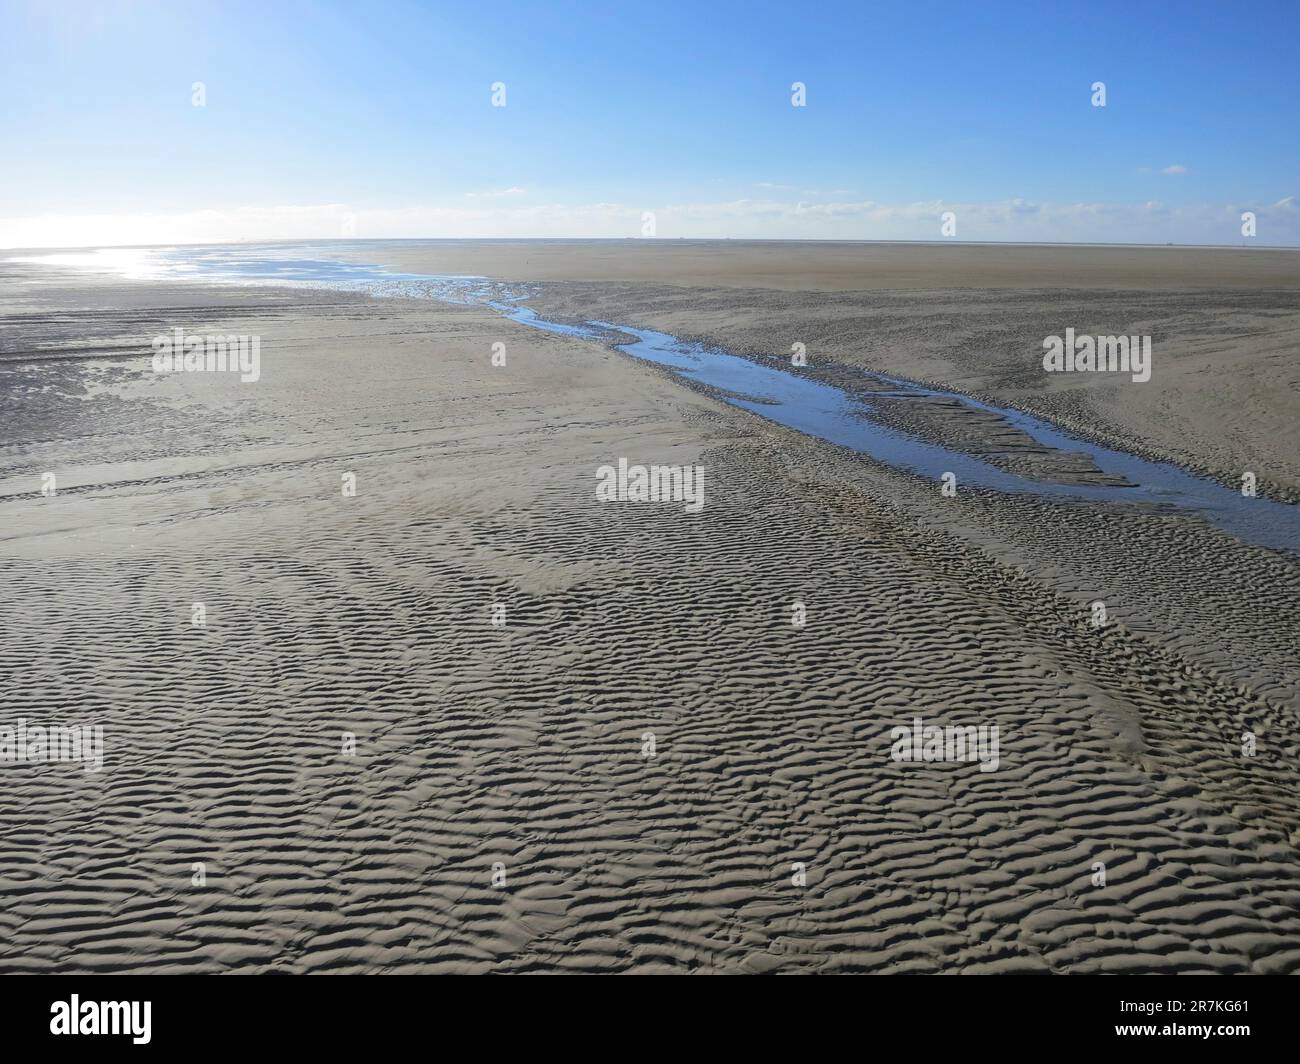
[132,263]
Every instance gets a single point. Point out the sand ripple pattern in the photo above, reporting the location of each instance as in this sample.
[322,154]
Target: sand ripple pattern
[522,746]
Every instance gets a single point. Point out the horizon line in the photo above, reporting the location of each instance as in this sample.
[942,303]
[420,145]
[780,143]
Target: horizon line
[950,242]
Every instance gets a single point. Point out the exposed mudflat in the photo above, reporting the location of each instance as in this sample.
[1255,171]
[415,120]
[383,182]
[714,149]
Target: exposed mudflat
[499,812]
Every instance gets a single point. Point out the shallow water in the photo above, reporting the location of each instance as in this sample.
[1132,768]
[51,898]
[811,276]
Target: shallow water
[780,395]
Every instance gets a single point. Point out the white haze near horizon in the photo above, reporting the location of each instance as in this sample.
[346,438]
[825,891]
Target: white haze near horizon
[1010,221]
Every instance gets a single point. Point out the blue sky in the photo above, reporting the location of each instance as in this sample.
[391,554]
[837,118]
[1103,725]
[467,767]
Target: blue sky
[376,119]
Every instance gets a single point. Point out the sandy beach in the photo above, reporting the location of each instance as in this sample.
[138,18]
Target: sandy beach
[448,711]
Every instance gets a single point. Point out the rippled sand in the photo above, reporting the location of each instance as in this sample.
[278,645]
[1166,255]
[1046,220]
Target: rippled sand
[498,813]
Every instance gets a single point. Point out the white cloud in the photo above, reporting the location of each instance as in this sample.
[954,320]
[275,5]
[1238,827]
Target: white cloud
[768,218]
[1176,168]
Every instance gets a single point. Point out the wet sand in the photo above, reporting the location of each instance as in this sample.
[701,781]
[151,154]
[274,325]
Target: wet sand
[500,812]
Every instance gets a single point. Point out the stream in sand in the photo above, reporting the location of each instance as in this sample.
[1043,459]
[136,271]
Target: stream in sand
[781,395]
